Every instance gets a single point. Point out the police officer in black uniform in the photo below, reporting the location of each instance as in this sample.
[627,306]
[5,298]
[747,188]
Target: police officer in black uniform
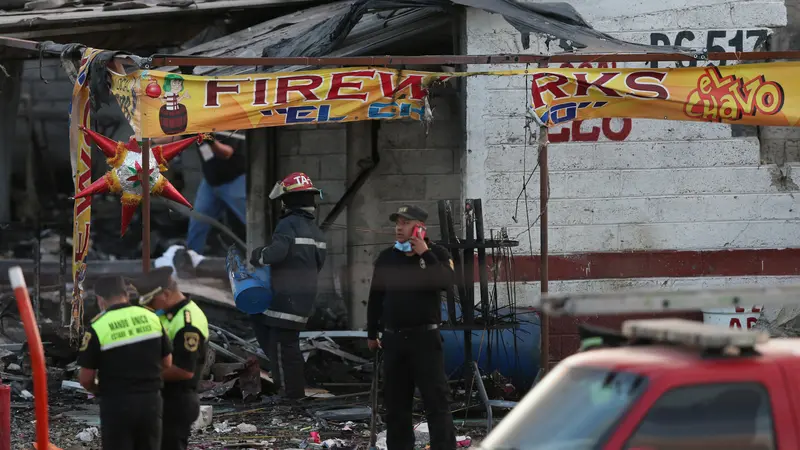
[296,256]
[405,303]
[187,327]
[126,349]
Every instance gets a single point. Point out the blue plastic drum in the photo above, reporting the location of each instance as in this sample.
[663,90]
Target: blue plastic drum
[252,291]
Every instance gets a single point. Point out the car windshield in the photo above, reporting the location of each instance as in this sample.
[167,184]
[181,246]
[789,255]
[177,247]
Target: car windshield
[573,408]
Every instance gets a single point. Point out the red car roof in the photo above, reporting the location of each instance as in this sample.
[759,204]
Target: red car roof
[651,358]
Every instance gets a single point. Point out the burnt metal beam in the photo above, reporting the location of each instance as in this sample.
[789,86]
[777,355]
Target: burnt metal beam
[158,60]
[352,190]
[176,60]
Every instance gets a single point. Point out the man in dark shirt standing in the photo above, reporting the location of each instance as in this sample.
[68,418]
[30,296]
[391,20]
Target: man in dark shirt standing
[187,328]
[404,303]
[126,348]
[224,166]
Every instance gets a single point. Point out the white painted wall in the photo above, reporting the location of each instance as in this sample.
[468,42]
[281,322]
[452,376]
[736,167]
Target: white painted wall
[667,186]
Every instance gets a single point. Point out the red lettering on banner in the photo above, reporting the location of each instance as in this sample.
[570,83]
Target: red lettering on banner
[600,84]
[575,133]
[338,83]
[215,87]
[306,90]
[412,82]
[552,84]
[634,81]
[717,98]
[82,246]
[260,92]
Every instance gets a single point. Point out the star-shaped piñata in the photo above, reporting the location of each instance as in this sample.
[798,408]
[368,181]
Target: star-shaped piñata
[125,175]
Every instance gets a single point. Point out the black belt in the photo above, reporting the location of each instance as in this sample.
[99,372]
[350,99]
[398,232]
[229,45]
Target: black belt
[429,327]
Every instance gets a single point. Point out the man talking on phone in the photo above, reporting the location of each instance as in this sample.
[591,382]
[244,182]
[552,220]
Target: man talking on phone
[405,304]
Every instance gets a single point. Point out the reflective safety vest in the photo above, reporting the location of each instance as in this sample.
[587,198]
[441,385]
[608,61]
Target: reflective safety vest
[126,326]
[191,314]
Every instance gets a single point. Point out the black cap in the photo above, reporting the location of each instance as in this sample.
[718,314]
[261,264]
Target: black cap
[410,212]
[150,284]
[109,287]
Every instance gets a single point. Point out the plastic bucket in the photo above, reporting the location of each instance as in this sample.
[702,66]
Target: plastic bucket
[742,318]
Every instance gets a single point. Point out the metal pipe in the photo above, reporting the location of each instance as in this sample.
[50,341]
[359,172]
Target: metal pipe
[36,351]
[145,178]
[175,60]
[465,59]
[62,280]
[350,194]
[543,237]
[37,272]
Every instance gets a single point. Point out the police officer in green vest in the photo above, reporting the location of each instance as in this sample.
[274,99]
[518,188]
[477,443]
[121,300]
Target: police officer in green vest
[187,328]
[122,356]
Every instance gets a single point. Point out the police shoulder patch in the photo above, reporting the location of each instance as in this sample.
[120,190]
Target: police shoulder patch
[191,341]
[187,316]
[87,337]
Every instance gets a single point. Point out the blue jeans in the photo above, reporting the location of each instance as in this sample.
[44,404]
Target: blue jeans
[211,201]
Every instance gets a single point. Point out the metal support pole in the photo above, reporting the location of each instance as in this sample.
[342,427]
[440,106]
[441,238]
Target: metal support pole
[145,177]
[468,302]
[543,275]
[62,280]
[37,272]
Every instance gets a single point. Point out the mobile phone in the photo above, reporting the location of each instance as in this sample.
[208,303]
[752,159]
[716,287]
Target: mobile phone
[419,231]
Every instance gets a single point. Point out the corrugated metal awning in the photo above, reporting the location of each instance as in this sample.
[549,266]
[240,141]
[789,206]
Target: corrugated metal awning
[373,31]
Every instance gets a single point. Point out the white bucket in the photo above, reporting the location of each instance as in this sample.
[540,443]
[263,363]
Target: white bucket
[742,318]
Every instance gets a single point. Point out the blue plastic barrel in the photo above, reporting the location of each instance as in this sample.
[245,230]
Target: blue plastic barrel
[519,364]
[252,290]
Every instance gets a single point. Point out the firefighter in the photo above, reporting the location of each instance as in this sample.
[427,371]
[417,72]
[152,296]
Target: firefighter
[187,328]
[296,256]
[126,349]
[405,304]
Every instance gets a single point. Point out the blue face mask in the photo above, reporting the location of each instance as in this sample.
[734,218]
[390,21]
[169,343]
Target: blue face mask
[159,312]
[403,246]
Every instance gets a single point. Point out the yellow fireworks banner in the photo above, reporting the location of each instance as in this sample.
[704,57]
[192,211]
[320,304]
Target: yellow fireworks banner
[748,94]
[161,104]
[81,159]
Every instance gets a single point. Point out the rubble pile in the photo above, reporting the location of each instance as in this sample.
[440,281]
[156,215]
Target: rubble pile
[240,408]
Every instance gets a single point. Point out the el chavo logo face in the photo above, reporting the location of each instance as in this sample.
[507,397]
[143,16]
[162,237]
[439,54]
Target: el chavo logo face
[717,98]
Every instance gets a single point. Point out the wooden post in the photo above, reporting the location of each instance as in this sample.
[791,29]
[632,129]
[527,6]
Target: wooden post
[145,178]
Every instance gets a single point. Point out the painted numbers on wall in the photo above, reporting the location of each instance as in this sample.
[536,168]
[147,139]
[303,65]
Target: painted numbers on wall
[577,131]
[713,40]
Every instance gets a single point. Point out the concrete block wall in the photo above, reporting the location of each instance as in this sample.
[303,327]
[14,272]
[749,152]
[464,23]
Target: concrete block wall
[696,195]
[321,153]
[417,165]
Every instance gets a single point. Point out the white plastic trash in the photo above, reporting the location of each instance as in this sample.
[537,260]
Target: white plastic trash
[742,318]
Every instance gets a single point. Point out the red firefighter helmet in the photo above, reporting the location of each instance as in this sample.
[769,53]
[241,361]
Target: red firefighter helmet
[294,182]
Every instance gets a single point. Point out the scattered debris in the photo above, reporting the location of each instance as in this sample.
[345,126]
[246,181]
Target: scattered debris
[204,419]
[89,434]
[222,427]
[68,385]
[346,414]
[246,428]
